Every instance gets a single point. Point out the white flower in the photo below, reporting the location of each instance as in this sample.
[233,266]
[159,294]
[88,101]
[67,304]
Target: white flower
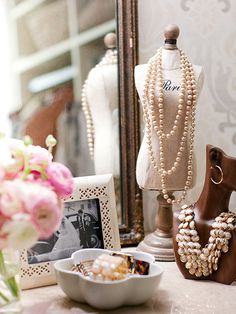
[21,233]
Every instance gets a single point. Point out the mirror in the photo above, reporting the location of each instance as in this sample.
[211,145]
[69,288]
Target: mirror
[56,51]
[132,230]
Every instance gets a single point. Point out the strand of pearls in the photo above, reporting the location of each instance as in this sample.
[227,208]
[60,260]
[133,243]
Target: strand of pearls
[187,91]
[203,261]
[110,57]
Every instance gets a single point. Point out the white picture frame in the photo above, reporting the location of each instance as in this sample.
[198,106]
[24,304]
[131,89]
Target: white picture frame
[36,270]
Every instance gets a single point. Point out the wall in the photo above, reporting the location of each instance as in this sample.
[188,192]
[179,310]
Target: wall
[208,37]
[5,74]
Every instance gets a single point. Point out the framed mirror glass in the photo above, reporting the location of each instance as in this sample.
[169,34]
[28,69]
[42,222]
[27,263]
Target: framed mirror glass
[69,82]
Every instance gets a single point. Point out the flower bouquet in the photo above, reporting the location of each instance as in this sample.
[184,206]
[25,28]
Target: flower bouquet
[31,190]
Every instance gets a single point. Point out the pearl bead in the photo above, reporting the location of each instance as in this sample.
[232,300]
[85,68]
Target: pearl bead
[154,74]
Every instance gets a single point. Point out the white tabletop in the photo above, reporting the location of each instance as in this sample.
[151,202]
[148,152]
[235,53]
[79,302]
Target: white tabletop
[175,295]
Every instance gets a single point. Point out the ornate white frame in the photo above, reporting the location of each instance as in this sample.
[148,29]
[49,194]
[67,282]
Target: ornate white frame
[100,187]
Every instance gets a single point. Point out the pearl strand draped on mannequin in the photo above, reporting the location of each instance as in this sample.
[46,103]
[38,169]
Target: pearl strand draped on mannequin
[109,58]
[188,87]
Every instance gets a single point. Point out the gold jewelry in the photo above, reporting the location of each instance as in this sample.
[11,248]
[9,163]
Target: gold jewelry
[83,267]
[203,261]
[221,173]
[135,266]
[186,102]
[115,266]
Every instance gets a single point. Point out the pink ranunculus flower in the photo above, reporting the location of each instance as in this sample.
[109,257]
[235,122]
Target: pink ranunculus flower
[11,198]
[38,156]
[60,178]
[44,208]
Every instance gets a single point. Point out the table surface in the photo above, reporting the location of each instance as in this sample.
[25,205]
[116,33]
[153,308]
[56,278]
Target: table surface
[174,295]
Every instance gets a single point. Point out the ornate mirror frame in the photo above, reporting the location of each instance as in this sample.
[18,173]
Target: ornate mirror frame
[131,231]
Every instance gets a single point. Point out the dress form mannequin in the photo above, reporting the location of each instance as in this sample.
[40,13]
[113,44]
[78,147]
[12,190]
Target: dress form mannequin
[159,243]
[213,200]
[102,98]
[102,114]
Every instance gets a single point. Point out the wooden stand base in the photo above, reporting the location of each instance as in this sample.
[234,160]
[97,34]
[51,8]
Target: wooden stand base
[159,243]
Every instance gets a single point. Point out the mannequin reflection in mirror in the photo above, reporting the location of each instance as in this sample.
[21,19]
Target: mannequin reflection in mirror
[167,108]
[100,105]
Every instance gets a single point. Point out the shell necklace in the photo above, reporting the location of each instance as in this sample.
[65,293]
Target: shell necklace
[188,92]
[203,261]
[110,57]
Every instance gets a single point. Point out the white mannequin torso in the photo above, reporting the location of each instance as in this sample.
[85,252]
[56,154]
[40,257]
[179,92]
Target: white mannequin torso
[102,98]
[147,176]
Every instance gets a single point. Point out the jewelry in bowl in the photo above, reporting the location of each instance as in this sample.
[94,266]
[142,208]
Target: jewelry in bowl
[106,292]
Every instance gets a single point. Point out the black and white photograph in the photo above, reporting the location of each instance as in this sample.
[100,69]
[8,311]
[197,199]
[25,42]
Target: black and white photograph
[81,227]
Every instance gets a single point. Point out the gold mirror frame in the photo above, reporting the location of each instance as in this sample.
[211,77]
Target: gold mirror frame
[131,230]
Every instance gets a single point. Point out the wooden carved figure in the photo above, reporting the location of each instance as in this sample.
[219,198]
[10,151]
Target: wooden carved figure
[204,233]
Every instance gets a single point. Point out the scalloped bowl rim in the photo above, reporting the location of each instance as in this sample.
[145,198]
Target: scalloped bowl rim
[133,290]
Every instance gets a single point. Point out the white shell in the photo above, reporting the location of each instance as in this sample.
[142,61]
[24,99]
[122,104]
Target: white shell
[193,232]
[179,237]
[212,232]
[197,245]
[187,238]
[195,238]
[188,265]
[183,258]
[215,267]
[191,244]
[206,251]
[231,226]
[198,273]
[224,225]
[202,261]
[203,257]
[211,239]
[181,217]
[188,218]
[192,224]
[180,251]
[210,246]
[225,248]
[192,271]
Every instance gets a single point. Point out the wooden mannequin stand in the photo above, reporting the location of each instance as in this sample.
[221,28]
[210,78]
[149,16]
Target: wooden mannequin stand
[159,243]
[165,159]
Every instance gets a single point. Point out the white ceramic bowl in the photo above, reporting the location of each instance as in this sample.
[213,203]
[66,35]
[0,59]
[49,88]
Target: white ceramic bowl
[133,290]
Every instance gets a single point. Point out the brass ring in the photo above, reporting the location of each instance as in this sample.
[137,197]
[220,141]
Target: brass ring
[221,173]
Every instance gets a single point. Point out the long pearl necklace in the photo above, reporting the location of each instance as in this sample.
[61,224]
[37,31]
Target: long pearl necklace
[110,57]
[188,91]
[203,261]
